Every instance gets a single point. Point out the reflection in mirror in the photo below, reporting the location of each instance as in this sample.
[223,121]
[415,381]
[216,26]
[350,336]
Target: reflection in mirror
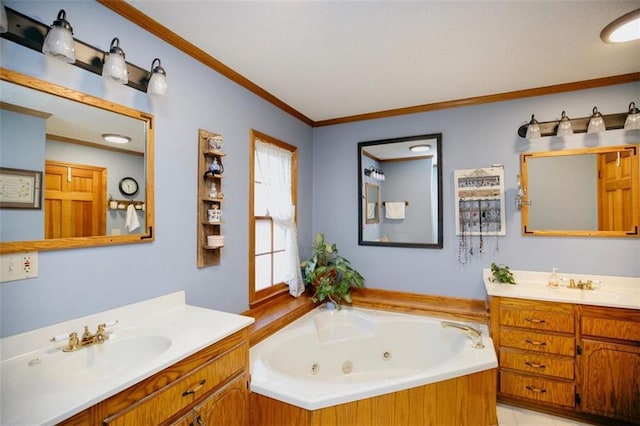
[581,192]
[59,132]
[408,188]
[372,202]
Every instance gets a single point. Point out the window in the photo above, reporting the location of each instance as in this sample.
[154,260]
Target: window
[273,247]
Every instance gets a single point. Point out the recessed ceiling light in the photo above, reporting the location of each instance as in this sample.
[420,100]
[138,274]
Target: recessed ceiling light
[113,138]
[625,28]
[420,148]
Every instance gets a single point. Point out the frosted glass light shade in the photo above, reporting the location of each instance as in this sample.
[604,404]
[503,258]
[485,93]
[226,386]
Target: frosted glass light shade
[533,128]
[115,66]
[158,81]
[564,126]
[59,40]
[596,122]
[4,22]
[633,118]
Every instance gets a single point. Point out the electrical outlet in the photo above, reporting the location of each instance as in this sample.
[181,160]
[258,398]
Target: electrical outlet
[18,266]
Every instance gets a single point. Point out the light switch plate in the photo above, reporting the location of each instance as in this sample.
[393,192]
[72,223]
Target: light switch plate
[18,266]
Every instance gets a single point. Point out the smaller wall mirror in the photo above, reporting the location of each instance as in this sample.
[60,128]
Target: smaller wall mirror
[581,192]
[400,192]
[373,203]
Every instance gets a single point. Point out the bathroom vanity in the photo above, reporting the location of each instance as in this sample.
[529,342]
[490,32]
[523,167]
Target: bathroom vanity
[162,362]
[568,350]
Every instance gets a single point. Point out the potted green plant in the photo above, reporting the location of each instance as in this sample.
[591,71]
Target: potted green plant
[502,274]
[329,275]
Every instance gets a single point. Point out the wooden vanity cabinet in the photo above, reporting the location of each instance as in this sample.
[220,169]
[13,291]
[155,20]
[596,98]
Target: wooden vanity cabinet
[536,351]
[576,360]
[610,362]
[213,383]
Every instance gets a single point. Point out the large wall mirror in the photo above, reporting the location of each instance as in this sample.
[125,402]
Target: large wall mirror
[62,183]
[581,192]
[400,192]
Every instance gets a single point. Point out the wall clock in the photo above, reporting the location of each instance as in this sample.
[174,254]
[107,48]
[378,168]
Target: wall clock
[128,186]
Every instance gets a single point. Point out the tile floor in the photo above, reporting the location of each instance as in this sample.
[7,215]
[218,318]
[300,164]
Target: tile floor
[509,415]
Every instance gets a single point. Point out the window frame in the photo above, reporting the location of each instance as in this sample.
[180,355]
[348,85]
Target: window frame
[257,297]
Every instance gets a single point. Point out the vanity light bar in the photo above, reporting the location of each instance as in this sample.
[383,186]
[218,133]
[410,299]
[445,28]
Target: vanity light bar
[579,125]
[30,33]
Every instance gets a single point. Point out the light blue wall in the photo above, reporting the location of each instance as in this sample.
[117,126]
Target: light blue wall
[79,282]
[22,146]
[476,136]
[74,283]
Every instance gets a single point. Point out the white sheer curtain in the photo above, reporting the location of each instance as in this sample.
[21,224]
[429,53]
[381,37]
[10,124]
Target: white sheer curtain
[275,167]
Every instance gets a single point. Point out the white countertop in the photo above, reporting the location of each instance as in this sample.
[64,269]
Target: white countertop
[612,291]
[35,392]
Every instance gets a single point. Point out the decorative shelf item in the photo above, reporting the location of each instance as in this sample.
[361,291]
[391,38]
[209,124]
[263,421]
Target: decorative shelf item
[210,198]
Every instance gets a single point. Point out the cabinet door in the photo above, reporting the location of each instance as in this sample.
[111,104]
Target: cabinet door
[611,380]
[229,406]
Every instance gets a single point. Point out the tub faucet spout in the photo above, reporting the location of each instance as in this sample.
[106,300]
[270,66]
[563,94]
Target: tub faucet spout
[475,335]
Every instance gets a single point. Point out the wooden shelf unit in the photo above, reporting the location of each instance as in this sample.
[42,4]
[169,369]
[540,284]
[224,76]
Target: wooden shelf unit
[208,255]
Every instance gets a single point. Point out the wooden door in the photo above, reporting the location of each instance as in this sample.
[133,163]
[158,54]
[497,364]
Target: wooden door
[615,201]
[75,200]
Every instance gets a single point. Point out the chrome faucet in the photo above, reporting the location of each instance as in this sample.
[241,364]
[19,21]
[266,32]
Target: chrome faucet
[475,335]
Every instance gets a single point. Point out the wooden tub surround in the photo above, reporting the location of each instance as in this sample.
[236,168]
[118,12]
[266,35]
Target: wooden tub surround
[465,400]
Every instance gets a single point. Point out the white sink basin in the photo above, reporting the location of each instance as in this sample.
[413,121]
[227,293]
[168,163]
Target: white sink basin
[90,364]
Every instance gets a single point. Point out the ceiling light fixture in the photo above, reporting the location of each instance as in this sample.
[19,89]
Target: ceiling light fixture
[59,42]
[420,148]
[596,122]
[158,81]
[115,138]
[533,128]
[115,67]
[625,28]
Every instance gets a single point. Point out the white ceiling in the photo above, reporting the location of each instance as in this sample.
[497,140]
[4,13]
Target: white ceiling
[331,59]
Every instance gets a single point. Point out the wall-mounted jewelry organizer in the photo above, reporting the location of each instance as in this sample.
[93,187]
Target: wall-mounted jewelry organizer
[479,209]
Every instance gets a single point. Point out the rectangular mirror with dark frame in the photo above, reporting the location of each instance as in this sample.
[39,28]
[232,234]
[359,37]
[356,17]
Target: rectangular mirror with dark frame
[400,192]
[581,192]
[93,192]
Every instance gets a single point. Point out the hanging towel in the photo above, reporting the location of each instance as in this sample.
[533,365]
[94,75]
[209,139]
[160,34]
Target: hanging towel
[131,222]
[394,210]
[371,210]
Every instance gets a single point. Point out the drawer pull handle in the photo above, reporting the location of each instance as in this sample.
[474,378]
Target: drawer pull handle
[196,389]
[536,390]
[534,365]
[535,342]
[534,320]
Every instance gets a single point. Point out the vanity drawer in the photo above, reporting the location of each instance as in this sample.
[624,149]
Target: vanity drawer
[531,362]
[611,323]
[537,320]
[539,342]
[160,405]
[538,389]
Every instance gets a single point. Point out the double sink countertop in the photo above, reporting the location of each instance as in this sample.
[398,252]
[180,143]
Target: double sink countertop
[611,291]
[41,384]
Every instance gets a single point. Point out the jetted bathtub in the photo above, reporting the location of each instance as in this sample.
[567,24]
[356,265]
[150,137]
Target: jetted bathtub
[331,357]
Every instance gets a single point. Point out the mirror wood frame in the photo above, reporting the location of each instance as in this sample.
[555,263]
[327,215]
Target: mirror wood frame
[635,193]
[439,243]
[77,242]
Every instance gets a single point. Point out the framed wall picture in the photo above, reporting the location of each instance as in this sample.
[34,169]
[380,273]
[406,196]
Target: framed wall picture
[20,189]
